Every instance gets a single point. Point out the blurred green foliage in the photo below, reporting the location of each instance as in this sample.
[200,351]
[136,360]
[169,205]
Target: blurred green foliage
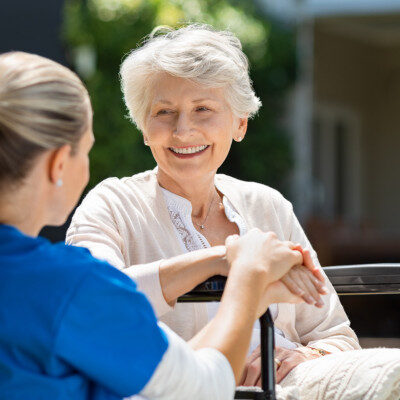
[109,29]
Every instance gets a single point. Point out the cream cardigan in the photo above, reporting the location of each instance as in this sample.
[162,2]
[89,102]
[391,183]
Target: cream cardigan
[126,222]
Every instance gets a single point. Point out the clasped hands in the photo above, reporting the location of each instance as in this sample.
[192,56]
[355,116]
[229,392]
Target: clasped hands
[301,281]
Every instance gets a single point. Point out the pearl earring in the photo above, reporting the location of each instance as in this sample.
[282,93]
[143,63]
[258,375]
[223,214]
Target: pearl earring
[239,139]
[59,182]
[146,143]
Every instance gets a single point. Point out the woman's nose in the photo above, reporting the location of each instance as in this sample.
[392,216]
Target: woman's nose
[183,125]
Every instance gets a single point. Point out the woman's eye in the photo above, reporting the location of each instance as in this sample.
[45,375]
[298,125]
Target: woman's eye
[202,109]
[163,112]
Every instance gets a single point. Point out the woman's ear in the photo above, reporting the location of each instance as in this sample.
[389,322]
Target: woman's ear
[241,129]
[57,165]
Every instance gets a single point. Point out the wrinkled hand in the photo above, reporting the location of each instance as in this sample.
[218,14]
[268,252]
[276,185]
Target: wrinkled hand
[302,280]
[289,359]
[252,369]
[299,284]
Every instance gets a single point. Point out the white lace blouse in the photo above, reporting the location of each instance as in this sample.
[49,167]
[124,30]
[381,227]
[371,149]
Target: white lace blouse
[180,211]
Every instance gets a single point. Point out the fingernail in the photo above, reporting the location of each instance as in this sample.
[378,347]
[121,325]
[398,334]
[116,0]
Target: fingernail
[310,300]
[325,289]
[319,303]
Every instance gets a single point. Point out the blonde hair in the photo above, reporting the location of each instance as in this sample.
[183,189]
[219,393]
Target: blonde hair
[197,52]
[43,105]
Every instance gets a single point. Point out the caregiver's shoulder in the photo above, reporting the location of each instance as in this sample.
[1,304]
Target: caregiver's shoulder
[69,261]
[54,270]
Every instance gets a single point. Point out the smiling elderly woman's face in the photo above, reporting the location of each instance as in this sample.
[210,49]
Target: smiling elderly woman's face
[189,127]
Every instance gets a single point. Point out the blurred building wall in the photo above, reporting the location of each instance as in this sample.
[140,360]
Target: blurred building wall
[34,27]
[346,176]
[355,214]
[361,79]
[346,136]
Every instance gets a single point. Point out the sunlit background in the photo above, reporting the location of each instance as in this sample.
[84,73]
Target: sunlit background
[327,136]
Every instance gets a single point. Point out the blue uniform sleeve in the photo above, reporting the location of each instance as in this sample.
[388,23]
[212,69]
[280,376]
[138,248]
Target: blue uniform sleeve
[108,332]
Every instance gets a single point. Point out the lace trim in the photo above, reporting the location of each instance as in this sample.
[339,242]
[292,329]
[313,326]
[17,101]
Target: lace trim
[184,233]
[188,239]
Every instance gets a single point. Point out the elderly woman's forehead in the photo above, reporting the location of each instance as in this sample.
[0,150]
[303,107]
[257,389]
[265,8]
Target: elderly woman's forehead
[187,91]
[170,87]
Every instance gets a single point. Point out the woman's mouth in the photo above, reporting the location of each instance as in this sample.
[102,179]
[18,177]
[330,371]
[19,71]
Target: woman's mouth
[188,152]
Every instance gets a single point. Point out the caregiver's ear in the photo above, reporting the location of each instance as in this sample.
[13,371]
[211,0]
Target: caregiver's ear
[58,163]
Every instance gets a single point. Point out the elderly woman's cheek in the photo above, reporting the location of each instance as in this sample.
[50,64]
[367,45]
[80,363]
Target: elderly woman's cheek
[159,131]
[225,151]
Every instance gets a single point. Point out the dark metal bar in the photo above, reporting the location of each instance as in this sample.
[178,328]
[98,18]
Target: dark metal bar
[267,341]
[267,355]
[242,394]
[365,279]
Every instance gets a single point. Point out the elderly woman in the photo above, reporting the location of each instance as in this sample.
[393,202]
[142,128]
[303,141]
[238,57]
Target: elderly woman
[190,94]
[74,327]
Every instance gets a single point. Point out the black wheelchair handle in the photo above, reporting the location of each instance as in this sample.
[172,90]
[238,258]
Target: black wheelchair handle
[365,278]
[346,279]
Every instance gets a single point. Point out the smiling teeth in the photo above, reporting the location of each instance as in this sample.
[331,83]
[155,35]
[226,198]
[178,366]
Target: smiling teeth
[188,150]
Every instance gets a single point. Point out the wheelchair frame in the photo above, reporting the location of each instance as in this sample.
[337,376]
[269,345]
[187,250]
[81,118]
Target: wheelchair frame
[348,280]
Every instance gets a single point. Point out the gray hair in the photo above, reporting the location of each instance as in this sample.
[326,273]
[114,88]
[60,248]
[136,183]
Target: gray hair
[43,105]
[196,52]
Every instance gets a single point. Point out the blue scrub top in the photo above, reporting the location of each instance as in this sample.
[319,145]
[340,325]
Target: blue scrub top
[71,326]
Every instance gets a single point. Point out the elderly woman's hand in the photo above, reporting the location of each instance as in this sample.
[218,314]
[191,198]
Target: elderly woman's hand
[306,281]
[287,358]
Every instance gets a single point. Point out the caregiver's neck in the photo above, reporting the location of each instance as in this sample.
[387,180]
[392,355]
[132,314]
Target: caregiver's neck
[27,205]
[200,191]
[24,210]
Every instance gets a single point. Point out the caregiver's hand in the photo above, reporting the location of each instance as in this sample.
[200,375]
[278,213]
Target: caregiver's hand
[258,260]
[262,254]
[305,281]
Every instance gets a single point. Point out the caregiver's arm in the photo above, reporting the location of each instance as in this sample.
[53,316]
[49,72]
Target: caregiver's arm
[107,331]
[122,348]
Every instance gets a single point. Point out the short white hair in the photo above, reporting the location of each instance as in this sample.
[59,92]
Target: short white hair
[196,52]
